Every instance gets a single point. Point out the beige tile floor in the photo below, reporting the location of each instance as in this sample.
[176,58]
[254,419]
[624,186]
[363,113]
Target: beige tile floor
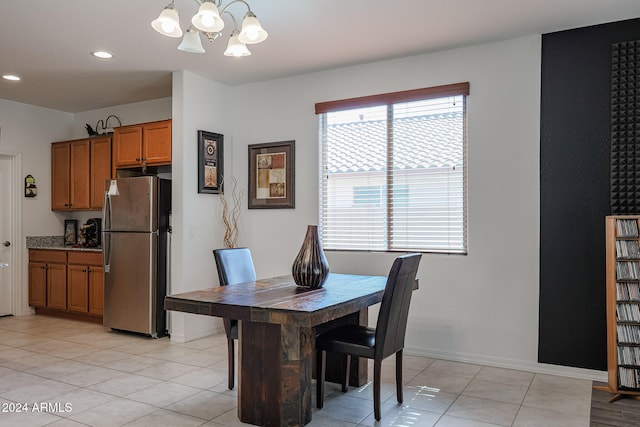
[79,374]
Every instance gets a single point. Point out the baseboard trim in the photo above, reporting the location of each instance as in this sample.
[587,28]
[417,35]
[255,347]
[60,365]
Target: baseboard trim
[521,365]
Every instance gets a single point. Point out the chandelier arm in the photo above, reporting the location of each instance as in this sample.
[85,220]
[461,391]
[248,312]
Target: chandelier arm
[233,18]
[232,2]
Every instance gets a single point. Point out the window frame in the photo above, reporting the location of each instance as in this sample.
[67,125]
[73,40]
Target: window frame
[388,100]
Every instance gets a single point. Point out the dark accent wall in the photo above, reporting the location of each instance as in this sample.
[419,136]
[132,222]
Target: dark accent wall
[575,170]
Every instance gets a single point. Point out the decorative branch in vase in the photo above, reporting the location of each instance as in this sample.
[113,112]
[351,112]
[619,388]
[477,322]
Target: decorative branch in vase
[230,214]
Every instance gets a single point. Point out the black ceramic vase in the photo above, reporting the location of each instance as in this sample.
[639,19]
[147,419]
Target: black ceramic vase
[310,268]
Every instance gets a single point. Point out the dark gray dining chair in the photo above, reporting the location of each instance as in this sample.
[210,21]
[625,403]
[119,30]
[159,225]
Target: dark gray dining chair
[379,343]
[234,265]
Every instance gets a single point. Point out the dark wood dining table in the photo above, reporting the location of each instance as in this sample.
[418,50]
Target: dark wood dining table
[278,322]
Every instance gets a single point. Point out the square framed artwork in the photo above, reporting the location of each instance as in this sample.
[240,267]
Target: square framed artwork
[210,162]
[272,175]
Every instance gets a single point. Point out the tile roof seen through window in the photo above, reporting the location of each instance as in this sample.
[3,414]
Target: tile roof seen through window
[427,141]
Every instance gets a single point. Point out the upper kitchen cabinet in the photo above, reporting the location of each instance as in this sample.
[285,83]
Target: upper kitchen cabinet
[146,144]
[78,171]
[100,169]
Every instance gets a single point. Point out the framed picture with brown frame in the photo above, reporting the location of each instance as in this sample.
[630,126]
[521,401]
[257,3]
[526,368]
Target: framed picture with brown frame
[272,175]
[210,162]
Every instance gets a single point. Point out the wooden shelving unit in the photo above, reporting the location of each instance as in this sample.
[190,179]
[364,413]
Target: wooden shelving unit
[623,305]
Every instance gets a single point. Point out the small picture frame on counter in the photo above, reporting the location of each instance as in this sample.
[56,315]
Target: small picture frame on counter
[70,232]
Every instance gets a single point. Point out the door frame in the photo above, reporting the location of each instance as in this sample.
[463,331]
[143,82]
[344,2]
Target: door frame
[18,289]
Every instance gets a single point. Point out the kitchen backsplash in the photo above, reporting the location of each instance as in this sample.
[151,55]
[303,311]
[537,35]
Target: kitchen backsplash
[44,241]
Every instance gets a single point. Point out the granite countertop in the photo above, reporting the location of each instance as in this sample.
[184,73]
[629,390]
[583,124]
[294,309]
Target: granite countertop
[55,243]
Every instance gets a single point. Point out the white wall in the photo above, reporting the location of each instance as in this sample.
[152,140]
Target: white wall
[28,131]
[482,307]
[198,104]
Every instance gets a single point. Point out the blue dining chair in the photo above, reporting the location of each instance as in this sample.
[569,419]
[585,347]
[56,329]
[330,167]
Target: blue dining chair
[235,265]
[386,339]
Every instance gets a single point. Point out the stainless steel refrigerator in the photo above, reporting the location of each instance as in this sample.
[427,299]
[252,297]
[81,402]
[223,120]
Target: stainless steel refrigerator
[134,249]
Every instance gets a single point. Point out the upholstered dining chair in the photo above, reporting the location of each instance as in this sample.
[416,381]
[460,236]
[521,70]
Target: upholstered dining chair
[234,265]
[379,343]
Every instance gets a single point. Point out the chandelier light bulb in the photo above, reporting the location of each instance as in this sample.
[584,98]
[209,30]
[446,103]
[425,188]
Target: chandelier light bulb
[236,47]
[168,23]
[208,19]
[252,32]
[168,26]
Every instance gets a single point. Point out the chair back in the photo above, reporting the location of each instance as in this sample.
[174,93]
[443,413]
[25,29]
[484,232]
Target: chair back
[235,265]
[394,309]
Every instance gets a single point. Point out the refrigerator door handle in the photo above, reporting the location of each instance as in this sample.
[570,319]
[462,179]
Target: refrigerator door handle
[106,251]
[106,235]
[106,211]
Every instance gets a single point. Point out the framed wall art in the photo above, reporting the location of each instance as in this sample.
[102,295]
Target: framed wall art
[271,175]
[70,232]
[210,162]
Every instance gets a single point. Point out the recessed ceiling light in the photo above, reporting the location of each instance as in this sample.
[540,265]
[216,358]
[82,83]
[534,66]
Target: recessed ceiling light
[102,54]
[11,77]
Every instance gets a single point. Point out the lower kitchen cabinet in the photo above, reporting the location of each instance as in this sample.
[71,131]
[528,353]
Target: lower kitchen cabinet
[37,284]
[67,283]
[57,286]
[96,290]
[85,280]
[48,279]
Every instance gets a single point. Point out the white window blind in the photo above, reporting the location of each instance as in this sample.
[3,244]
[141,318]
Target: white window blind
[393,173]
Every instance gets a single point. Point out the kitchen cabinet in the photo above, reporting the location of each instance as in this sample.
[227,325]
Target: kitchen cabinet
[67,283]
[85,282]
[78,171]
[48,279]
[145,144]
[100,169]
[96,290]
[37,284]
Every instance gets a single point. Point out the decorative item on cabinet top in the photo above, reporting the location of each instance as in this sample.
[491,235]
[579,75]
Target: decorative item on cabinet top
[102,126]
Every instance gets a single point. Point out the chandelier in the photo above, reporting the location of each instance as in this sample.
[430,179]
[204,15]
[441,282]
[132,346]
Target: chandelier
[208,20]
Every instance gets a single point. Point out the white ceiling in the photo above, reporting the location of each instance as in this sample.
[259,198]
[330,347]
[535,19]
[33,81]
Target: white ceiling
[48,42]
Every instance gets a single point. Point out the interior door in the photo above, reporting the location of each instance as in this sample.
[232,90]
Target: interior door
[6,243]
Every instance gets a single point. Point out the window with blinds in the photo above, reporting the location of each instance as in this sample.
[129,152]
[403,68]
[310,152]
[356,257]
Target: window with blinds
[393,173]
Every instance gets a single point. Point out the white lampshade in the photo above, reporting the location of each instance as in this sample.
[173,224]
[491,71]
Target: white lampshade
[236,47]
[252,32]
[168,23]
[208,18]
[191,42]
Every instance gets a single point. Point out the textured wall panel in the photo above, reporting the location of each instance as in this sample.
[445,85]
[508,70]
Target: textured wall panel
[625,130]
